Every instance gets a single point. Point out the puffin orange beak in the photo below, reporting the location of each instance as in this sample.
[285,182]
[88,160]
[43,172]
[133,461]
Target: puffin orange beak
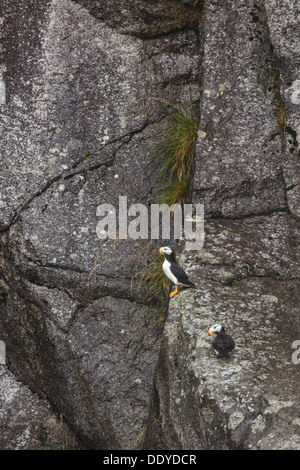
[210,333]
[159,251]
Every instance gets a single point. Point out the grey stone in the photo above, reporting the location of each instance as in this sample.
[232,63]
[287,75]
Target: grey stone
[84,83]
[252,397]
[247,274]
[27,422]
[61,101]
[283,20]
[238,167]
[76,130]
[145,18]
[258,246]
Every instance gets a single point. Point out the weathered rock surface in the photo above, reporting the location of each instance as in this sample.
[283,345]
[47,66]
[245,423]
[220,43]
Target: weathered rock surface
[27,422]
[75,132]
[283,20]
[238,170]
[146,18]
[247,274]
[244,283]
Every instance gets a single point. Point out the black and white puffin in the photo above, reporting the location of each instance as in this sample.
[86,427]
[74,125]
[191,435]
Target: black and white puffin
[223,344]
[173,271]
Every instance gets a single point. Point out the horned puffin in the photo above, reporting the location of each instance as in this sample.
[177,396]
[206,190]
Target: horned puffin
[223,344]
[173,271]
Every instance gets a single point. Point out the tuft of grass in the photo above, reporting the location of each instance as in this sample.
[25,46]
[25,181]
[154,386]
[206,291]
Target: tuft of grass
[141,436]
[86,156]
[275,80]
[281,115]
[65,445]
[176,192]
[174,150]
[154,279]
[280,108]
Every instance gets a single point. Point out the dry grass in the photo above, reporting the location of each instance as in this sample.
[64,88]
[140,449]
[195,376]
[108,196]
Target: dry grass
[281,116]
[65,445]
[151,275]
[154,279]
[174,150]
[176,192]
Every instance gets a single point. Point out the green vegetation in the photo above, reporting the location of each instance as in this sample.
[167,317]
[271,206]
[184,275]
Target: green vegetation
[173,154]
[87,156]
[176,192]
[279,103]
[174,151]
[154,279]
[65,445]
[150,276]
[141,436]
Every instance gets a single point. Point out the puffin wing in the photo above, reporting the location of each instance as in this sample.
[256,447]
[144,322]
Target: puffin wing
[223,345]
[229,343]
[179,273]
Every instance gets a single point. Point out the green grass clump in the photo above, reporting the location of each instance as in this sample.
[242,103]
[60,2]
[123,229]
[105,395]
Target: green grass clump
[279,103]
[154,279]
[174,151]
[65,445]
[176,192]
[173,154]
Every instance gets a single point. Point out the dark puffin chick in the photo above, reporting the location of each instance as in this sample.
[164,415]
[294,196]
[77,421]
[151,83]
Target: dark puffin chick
[173,271]
[223,344]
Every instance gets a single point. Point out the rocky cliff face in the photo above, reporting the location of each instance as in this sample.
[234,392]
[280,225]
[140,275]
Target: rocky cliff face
[75,132]
[247,175]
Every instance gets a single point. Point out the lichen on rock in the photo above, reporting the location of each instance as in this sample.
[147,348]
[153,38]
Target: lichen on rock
[76,128]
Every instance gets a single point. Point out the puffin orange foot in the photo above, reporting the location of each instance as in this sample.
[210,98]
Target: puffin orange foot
[174,291]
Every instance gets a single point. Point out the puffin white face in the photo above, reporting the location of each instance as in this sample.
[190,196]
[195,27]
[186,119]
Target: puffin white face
[216,328]
[165,249]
